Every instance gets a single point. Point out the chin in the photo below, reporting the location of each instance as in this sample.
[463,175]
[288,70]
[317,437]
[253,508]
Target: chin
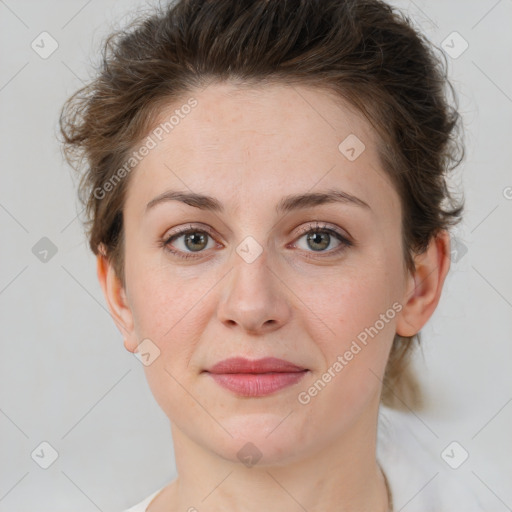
[259,439]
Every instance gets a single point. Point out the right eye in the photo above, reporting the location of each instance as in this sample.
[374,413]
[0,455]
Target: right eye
[192,240]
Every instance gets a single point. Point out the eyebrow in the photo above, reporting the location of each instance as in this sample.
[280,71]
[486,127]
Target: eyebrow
[285,205]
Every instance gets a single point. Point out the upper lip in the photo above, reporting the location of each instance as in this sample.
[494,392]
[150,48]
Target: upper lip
[265,365]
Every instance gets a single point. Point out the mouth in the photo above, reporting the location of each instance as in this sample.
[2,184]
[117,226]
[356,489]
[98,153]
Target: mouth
[256,378]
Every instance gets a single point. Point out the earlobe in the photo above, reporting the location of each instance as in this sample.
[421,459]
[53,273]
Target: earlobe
[425,285]
[115,297]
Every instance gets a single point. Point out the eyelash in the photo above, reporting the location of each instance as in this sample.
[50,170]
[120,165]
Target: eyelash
[317,228]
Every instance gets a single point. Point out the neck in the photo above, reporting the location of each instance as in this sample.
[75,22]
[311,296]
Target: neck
[343,476]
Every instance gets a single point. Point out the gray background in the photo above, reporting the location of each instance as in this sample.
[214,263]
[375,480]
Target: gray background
[65,377]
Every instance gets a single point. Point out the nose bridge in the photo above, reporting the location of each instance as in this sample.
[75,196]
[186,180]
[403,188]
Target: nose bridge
[252,275]
[252,296]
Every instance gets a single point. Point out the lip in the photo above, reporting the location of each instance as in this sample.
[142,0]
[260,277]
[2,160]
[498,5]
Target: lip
[265,365]
[253,378]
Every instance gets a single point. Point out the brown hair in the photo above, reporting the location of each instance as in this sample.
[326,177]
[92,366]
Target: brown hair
[364,51]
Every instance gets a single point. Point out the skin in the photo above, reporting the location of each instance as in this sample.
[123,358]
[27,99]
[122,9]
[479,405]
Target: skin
[248,148]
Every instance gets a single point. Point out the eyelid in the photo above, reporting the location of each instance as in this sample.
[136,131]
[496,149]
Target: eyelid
[326,226]
[186,228]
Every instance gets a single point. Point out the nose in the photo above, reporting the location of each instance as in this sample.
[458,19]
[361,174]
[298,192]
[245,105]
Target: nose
[253,298]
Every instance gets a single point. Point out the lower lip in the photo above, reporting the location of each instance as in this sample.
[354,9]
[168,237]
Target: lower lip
[256,384]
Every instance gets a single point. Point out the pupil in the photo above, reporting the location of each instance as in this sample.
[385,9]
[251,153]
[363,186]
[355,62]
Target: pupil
[192,238]
[312,238]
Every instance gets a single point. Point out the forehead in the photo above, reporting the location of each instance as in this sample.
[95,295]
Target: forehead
[233,115]
[240,141]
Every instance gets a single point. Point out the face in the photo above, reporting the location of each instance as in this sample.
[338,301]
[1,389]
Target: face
[316,282]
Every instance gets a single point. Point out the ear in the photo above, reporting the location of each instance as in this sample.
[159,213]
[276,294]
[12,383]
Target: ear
[425,285]
[115,295]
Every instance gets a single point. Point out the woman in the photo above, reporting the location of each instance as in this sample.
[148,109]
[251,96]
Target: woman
[266,190]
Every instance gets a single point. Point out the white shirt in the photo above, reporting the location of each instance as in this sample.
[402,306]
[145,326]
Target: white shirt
[425,472]
[419,477]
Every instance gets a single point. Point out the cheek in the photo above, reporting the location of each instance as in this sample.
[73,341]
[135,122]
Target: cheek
[169,312]
[359,306]
[173,310]
[349,301]
[355,356]
[160,295]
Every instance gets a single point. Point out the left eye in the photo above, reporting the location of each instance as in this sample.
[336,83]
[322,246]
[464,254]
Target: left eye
[319,240]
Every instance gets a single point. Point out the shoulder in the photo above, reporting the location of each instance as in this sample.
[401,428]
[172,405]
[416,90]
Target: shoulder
[420,480]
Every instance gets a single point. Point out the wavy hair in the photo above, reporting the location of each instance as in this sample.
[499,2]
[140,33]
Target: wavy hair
[365,51]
